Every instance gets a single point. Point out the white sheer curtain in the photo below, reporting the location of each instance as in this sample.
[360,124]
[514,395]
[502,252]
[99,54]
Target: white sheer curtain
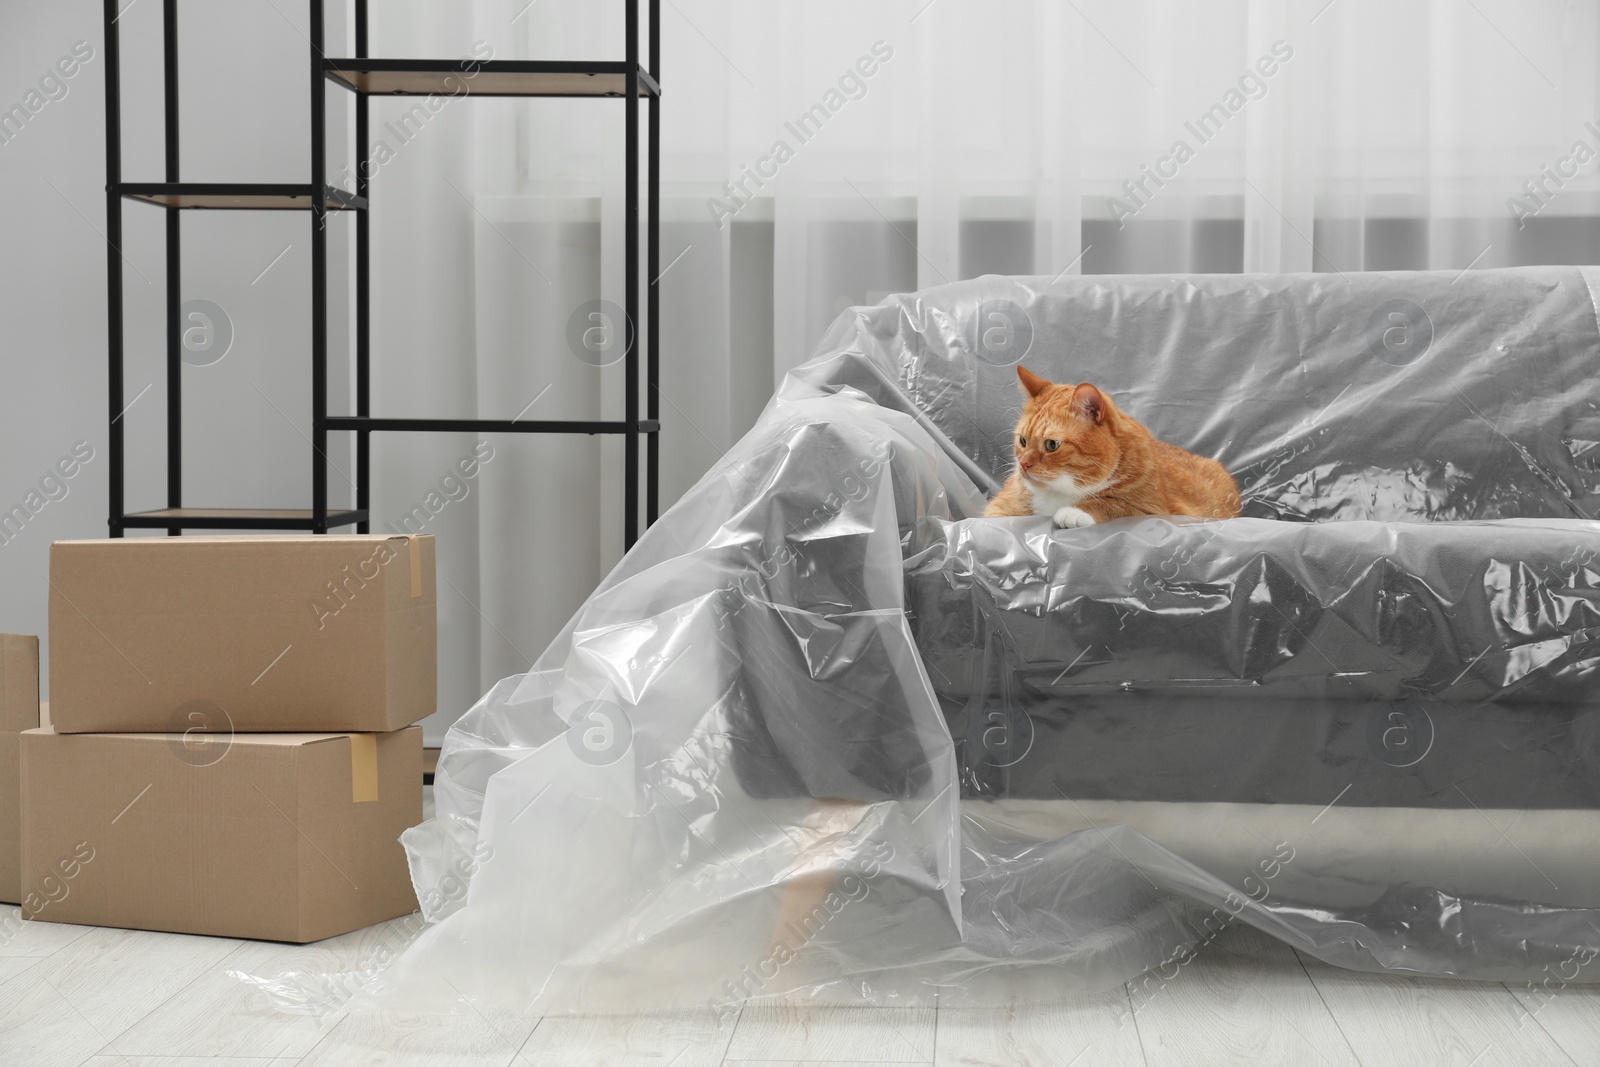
[953,138]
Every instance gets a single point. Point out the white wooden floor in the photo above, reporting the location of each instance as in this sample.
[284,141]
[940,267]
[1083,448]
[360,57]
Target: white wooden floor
[74,995]
[79,995]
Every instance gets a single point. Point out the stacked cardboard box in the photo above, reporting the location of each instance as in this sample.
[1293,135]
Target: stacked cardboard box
[230,748]
[19,711]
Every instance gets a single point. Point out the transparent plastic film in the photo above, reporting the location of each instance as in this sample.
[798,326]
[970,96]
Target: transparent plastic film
[827,733]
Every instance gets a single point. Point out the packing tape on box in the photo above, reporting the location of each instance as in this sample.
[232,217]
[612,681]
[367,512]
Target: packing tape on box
[414,549]
[363,767]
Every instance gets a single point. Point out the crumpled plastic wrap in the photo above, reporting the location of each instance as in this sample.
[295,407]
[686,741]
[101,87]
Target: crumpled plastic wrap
[827,733]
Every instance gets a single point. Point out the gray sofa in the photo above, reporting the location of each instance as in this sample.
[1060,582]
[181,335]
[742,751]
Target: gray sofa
[1405,624]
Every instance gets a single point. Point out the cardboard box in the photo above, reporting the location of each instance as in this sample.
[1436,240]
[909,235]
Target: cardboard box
[19,711]
[242,634]
[286,837]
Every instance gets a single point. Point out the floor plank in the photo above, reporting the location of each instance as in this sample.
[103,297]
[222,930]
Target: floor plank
[113,978]
[34,937]
[683,1039]
[1396,1021]
[11,966]
[38,1027]
[812,1063]
[184,1061]
[218,1015]
[1090,1030]
[1244,998]
[396,1040]
[1569,1014]
[785,1032]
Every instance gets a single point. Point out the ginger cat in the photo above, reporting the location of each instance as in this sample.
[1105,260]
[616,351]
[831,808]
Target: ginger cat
[1082,460]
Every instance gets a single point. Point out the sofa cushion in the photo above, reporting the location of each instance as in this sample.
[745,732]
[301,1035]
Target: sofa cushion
[1259,661]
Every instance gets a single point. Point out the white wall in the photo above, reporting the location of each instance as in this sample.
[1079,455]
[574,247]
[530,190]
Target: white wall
[52,294]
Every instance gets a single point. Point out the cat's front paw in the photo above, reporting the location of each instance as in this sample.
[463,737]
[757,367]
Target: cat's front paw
[1070,518]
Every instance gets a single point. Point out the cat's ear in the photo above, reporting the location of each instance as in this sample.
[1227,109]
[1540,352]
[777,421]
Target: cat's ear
[1032,384]
[1090,403]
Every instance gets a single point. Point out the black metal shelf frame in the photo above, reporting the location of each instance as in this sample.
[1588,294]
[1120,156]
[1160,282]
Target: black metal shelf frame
[629,79]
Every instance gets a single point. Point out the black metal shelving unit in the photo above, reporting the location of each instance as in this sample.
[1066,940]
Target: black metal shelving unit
[630,80]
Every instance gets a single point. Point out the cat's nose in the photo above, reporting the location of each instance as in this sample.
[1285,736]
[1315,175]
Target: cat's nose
[1026,463]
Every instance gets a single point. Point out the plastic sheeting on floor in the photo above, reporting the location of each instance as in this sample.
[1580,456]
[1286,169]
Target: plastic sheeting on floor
[827,733]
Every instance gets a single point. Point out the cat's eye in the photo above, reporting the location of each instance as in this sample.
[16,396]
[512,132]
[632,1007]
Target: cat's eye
[1022,441]
[1051,445]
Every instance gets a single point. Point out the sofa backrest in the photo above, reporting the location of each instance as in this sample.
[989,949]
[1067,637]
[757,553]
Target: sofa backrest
[1401,396]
